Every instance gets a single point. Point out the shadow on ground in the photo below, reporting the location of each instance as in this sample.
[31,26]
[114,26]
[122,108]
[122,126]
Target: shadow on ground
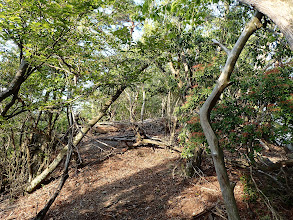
[147,194]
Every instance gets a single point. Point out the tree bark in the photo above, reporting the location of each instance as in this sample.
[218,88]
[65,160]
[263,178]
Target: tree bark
[19,78]
[143,104]
[280,12]
[40,178]
[222,83]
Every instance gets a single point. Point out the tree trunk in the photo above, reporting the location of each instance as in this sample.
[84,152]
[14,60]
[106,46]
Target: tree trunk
[132,104]
[194,162]
[280,12]
[41,215]
[19,78]
[222,83]
[163,104]
[143,104]
[40,178]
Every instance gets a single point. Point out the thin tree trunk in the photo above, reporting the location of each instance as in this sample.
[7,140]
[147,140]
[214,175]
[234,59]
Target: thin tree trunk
[40,178]
[143,104]
[222,83]
[41,215]
[163,104]
[130,109]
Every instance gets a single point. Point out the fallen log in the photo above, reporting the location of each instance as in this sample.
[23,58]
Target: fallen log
[150,141]
[130,137]
[104,129]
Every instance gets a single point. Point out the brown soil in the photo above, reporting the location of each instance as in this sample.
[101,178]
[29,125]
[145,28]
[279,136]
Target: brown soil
[136,183]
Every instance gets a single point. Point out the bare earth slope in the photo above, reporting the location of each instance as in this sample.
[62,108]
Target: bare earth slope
[129,183]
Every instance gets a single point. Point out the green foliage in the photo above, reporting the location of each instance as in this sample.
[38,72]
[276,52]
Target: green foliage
[257,106]
[250,193]
[189,12]
[80,50]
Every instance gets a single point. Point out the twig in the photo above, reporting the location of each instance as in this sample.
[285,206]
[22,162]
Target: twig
[205,211]
[99,148]
[273,178]
[265,199]
[218,213]
[107,145]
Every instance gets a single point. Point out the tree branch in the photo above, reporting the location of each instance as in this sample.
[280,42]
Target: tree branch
[39,179]
[222,46]
[77,139]
[41,215]
[19,78]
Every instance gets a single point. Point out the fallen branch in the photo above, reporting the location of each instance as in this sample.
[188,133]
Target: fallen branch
[273,178]
[77,139]
[130,137]
[105,144]
[277,165]
[204,212]
[150,141]
[156,142]
[265,199]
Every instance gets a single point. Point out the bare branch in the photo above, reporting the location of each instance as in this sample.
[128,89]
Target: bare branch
[222,46]
[41,215]
[38,180]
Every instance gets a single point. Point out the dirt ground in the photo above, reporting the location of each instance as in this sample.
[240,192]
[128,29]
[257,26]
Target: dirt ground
[140,183]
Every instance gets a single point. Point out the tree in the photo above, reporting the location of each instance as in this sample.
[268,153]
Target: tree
[222,83]
[63,54]
[116,71]
[39,30]
[65,49]
[179,7]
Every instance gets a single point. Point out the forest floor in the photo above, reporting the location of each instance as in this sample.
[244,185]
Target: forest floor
[120,182]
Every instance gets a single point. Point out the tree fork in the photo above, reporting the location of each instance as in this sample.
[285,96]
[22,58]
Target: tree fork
[222,83]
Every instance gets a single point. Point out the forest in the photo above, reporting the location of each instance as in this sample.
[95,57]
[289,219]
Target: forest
[202,89]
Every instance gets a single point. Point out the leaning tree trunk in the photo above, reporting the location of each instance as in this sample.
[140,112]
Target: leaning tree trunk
[222,83]
[18,79]
[40,178]
[280,12]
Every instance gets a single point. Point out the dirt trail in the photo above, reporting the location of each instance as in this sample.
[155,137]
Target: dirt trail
[121,183]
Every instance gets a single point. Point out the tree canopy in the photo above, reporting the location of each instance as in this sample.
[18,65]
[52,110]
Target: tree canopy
[217,68]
